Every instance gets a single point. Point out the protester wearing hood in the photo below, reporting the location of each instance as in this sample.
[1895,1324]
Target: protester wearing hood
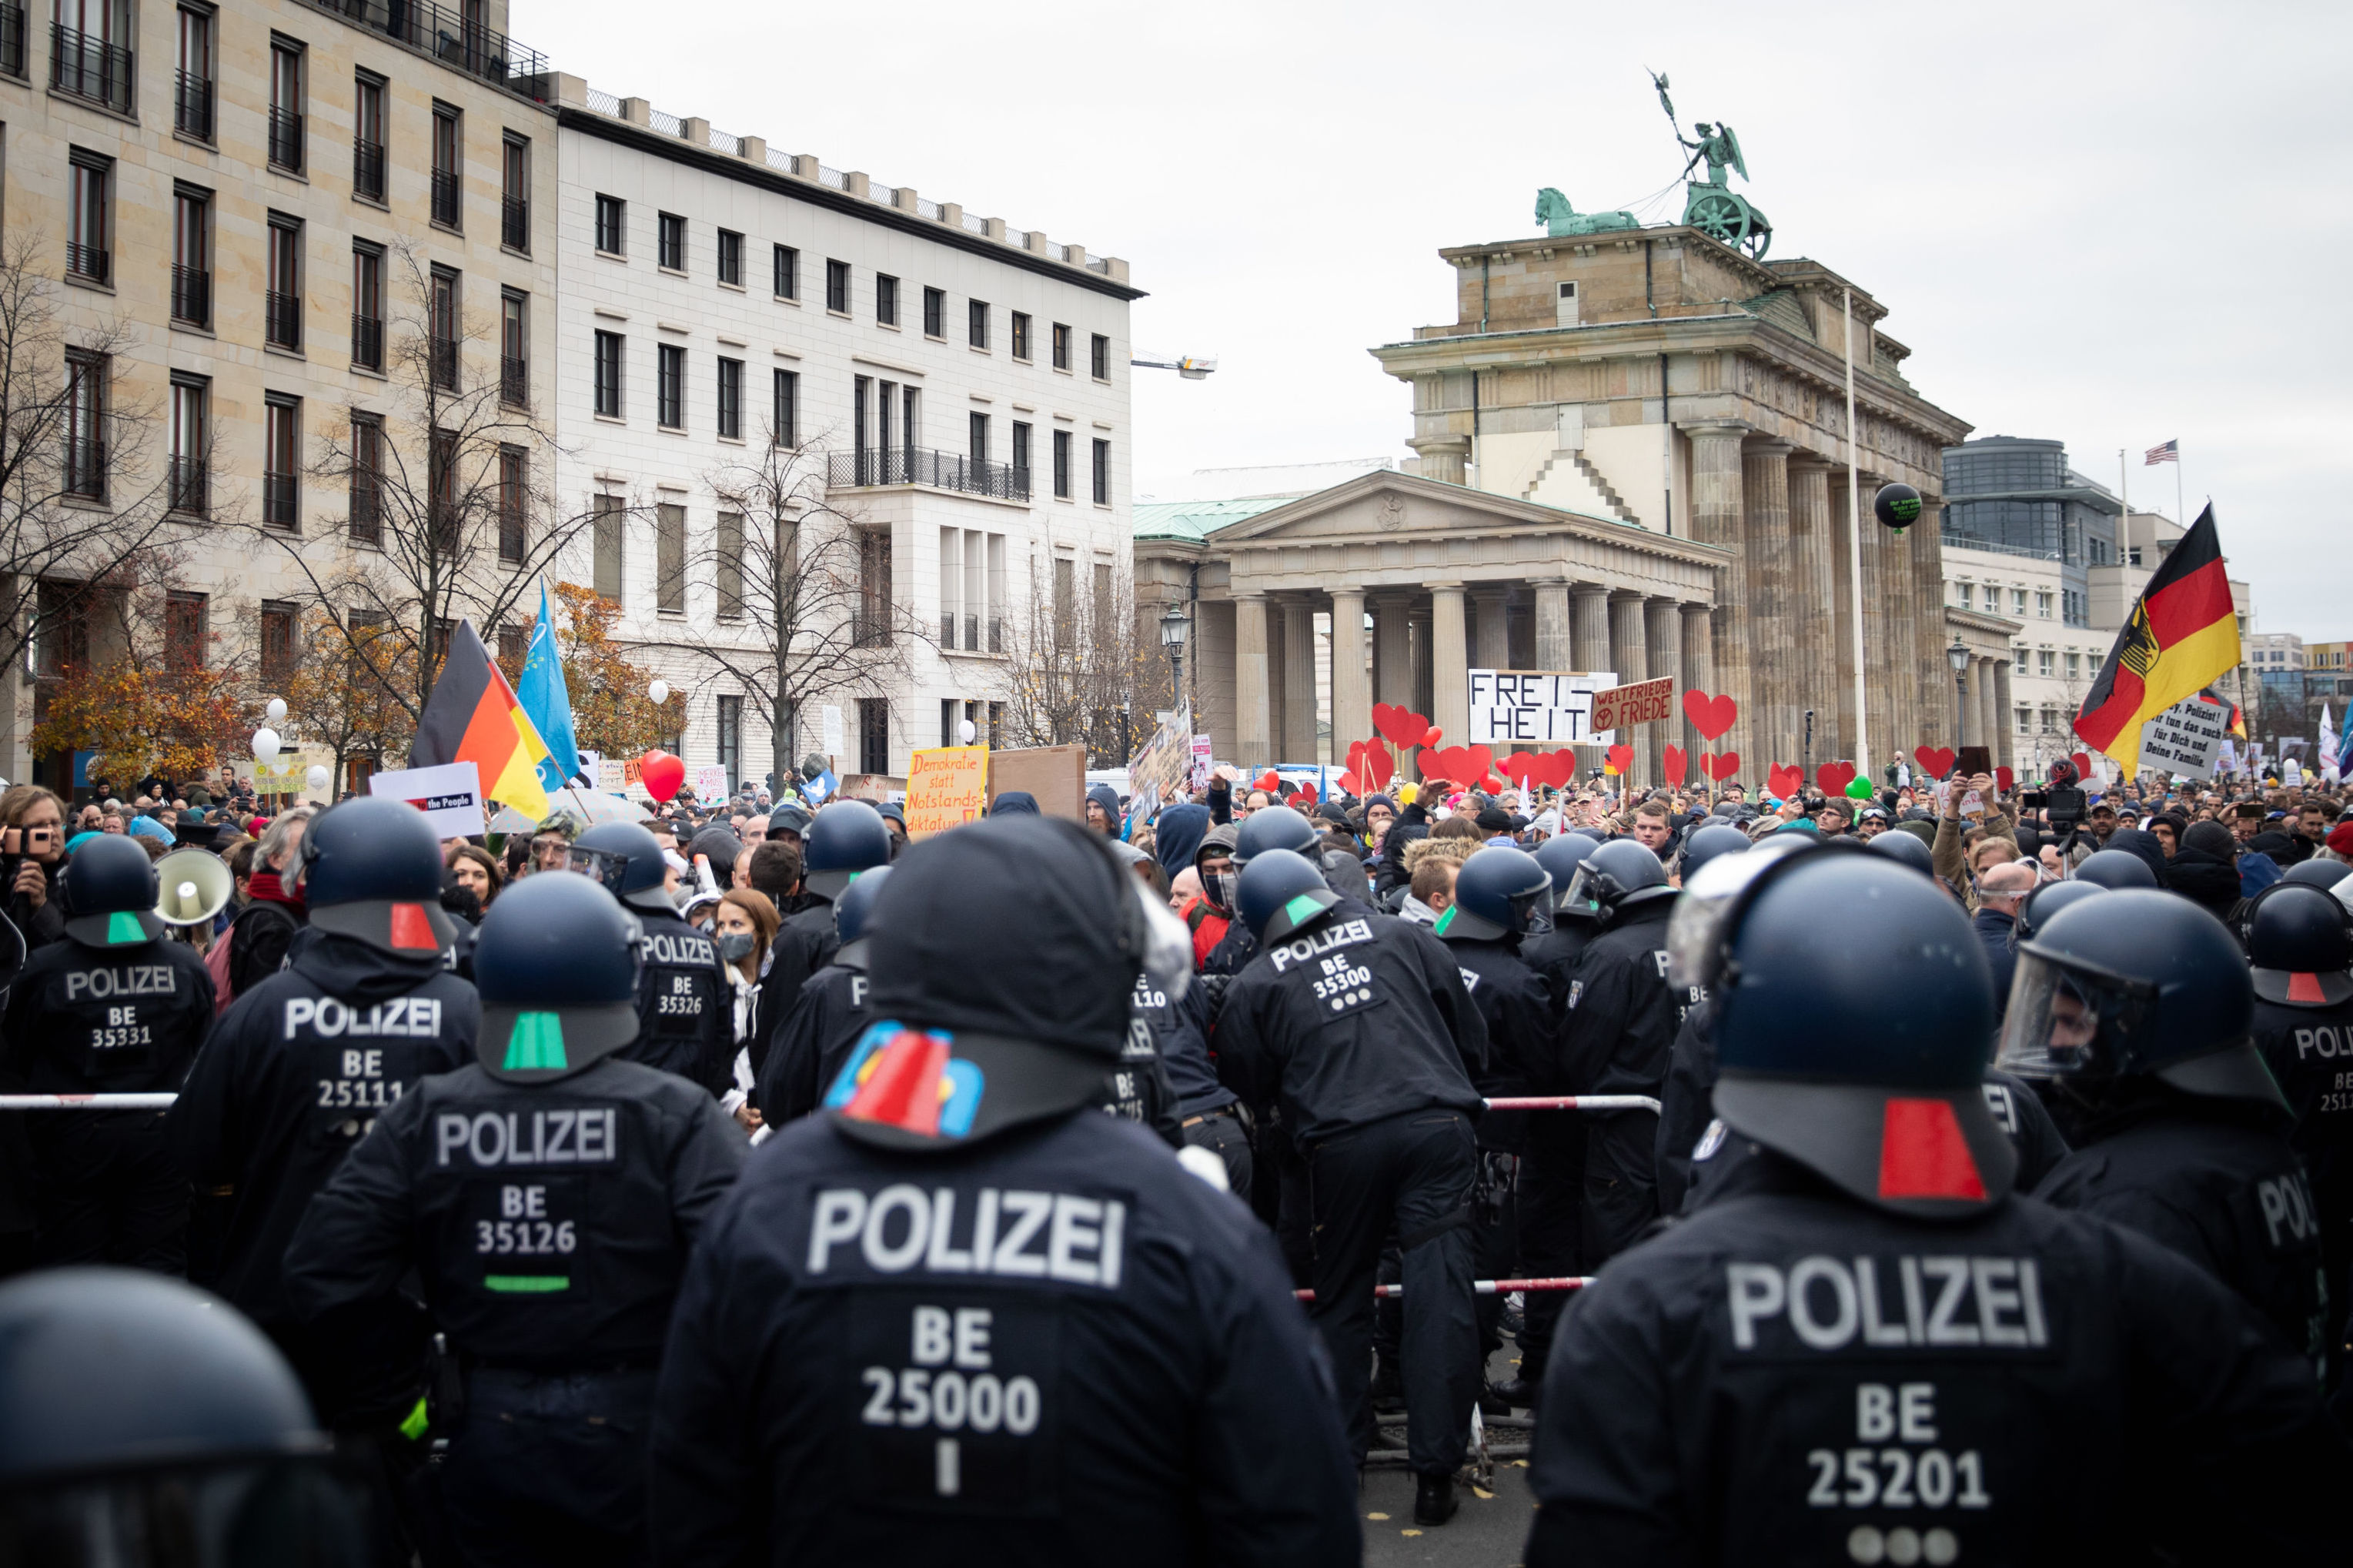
[2143,846]
[1103,815]
[1178,834]
[1015,803]
[1211,914]
[2205,869]
[1412,824]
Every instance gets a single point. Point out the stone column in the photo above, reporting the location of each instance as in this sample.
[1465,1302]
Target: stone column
[1392,653]
[1449,665]
[1253,697]
[1423,700]
[1630,656]
[1663,655]
[1989,725]
[1352,691]
[1907,614]
[1966,700]
[1492,648]
[1554,645]
[1696,675]
[1928,593]
[1814,582]
[2007,753]
[1589,635]
[1842,640]
[1443,457]
[1773,611]
[1299,713]
[1716,519]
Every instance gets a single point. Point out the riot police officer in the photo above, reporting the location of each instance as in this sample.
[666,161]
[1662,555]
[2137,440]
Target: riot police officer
[1208,1112]
[2136,1010]
[683,1027]
[1040,1341]
[1553,953]
[1361,1028]
[814,1041]
[848,839]
[547,1194]
[1861,1348]
[116,1007]
[299,1067]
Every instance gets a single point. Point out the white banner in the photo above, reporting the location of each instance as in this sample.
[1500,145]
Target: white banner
[2186,740]
[448,793]
[711,783]
[1535,708]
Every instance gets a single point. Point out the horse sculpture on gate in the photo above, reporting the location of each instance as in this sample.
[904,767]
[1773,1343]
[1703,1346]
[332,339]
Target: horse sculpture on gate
[1562,220]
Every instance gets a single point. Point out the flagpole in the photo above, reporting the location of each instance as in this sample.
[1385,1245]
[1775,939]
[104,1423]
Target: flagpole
[2180,509]
[2124,497]
[1854,546]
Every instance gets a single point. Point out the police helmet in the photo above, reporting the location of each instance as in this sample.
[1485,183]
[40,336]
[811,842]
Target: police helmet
[1280,891]
[1903,848]
[853,912]
[1499,891]
[2046,901]
[1274,828]
[1861,1059]
[847,839]
[627,862]
[2115,869]
[372,869]
[110,893]
[2148,984]
[2300,940]
[142,1419]
[2318,873]
[1560,856]
[1706,843]
[556,963]
[1620,875]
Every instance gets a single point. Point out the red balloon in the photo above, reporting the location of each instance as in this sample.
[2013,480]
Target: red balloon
[664,775]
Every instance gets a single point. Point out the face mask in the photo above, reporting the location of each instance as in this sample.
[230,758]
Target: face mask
[1219,888]
[735,947]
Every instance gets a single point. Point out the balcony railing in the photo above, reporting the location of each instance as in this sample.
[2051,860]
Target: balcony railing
[514,224]
[367,168]
[90,68]
[445,197]
[514,381]
[85,468]
[192,105]
[192,295]
[367,341]
[12,40]
[446,35]
[285,138]
[921,465]
[280,502]
[89,261]
[191,489]
[444,354]
[284,326]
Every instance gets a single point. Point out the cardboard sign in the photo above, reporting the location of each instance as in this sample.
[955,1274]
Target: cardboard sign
[1163,768]
[448,793]
[877,787]
[946,788]
[1520,708]
[711,783]
[1641,703]
[2185,739]
[1056,776]
[1201,764]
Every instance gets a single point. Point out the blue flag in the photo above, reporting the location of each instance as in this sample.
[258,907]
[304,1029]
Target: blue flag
[546,702]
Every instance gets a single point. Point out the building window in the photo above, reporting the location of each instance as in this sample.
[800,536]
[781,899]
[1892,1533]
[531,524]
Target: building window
[2026,721]
[514,505]
[1102,474]
[731,258]
[277,643]
[1066,597]
[612,230]
[837,287]
[90,218]
[975,329]
[368,123]
[192,79]
[1021,457]
[514,347]
[1100,356]
[192,255]
[606,544]
[85,455]
[728,553]
[670,558]
[786,418]
[935,313]
[951,584]
[731,399]
[283,326]
[444,318]
[2018,601]
[608,373]
[441,503]
[286,104]
[282,462]
[2042,605]
[1062,347]
[1062,465]
[2047,662]
[367,522]
[670,242]
[886,299]
[1022,336]
[191,441]
[873,627]
[979,437]
[787,263]
[669,387]
[514,193]
[874,734]
[731,738]
[90,52]
[447,157]
[2075,666]
[367,305]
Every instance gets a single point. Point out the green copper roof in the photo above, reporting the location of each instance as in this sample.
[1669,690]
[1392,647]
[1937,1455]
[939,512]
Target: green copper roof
[1193,521]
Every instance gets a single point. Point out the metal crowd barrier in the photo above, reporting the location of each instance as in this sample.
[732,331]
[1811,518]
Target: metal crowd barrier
[86,1102]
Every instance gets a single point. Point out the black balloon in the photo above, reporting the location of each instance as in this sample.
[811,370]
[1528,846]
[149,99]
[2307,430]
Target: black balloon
[1896,506]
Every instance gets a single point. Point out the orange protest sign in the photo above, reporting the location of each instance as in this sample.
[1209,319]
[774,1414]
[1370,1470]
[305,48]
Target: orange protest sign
[1640,703]
[946,787]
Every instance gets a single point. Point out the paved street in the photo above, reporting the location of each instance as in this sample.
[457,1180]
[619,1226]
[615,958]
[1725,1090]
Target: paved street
[1488,1532]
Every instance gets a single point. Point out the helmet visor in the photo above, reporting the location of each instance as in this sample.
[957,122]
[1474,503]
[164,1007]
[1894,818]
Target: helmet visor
[601,866]
[1696,933]
[2070,1021]
[1533,910]
[1167,944]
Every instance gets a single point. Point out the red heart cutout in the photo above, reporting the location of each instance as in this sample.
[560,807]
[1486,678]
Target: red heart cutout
[1561,769]
[1784,781]
[1449,763]
[1348,783]
[2083,766]
[1267,780]
[1432,736]
[1672,764]
[1619,760]
[1401,726]
[1523,766]
[1710,715]
[1719,766]
[1834,776]
[1936,761]
[2004,778]
[1306,793]
[1377,764]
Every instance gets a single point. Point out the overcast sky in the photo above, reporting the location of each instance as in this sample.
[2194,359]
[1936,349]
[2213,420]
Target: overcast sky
[2112,225]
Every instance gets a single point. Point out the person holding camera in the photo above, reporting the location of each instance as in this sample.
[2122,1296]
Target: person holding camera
[33,841]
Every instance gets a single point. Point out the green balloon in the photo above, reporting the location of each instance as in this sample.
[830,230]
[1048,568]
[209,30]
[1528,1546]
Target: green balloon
[1859,787]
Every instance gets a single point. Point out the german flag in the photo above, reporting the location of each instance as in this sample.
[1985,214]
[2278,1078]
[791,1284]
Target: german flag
[473,717]
[2181,634]
[2237,729]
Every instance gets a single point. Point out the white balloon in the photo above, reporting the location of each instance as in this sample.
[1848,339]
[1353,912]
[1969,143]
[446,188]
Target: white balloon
[659,693]
[265,744]
[317,777]
[965,731]
[275,710]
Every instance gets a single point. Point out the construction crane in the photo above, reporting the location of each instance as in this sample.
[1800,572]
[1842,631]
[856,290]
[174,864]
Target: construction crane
[1191,366]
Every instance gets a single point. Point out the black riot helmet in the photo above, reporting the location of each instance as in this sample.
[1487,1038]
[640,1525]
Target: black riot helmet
[1280,891]
[2300,940]
[2145,984]
[1706,843]
[556,963]
[1561,855]
[628,861]
[372,869]
[1904,849]
[1277,827]
[1862,1059]
[142,1420]
[1499,891]
[2318,873]
[853,912]
[1618,876]
[110,893]
[848,838]
[2115,869]
[2044,903]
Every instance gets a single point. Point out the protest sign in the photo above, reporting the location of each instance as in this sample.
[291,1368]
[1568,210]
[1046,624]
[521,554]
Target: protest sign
[1054,776]
[2185,739]
[1535,708]
[710,782]
[1162,769]
[1201,764]
[1640,703]
[448,793]
[946,787]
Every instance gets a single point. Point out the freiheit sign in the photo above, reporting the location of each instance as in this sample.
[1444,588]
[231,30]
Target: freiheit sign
[1535,708]
[1641,703]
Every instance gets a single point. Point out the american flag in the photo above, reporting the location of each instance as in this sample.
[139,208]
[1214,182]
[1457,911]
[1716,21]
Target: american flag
[2169,452]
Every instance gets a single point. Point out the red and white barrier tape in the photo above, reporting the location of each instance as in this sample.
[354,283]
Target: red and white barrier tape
[1486,1287]
[86,1102]
[1573,1102]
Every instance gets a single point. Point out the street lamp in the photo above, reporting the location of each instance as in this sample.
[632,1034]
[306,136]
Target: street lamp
[1958,655]
[1174,627]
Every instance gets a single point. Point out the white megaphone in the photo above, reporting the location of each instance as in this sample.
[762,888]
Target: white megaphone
[195,885]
